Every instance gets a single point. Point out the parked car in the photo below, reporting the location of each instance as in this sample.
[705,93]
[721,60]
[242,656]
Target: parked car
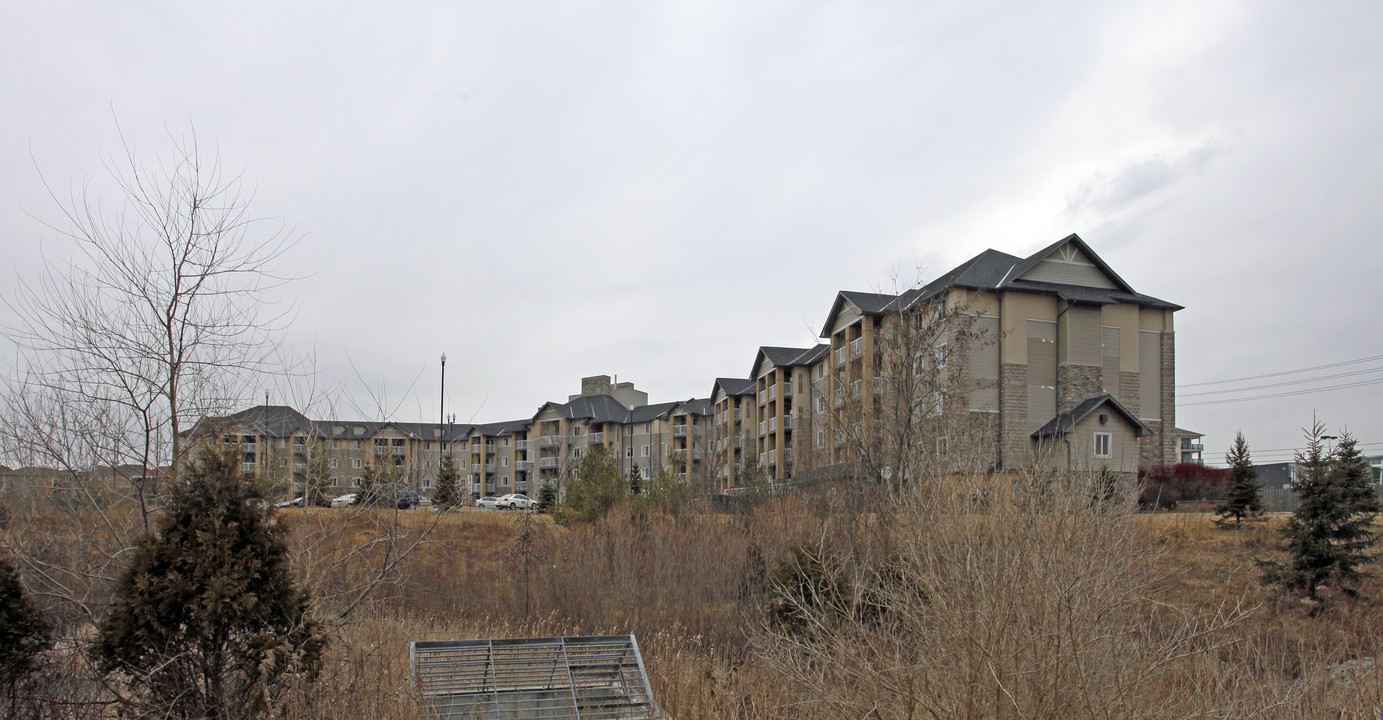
[408,499]
[295,502]
[487,502]
[516,501]
[343,500]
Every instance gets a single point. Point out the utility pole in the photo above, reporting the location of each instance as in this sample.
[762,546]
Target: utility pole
[442,414]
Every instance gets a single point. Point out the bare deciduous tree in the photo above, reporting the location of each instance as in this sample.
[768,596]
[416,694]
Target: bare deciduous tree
[153,316]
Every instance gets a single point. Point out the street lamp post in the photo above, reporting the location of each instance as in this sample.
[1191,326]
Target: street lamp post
[442,413]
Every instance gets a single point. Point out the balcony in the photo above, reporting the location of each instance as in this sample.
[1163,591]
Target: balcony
[299,467]
[739,441]
[762,425]
[679,430]
[787,456]
[840,356]
[787,390]
[547,463]
[247,447]
[1192,447]
[772,457]
[489,467]
[475,467]
[521,445]
[840,396]
[772,393]
[548,441]
[248,467]
[878,384]
[856,348]
[597,438]
[773,424]
[400,450]
[696,455]
[787,423]
[521,465]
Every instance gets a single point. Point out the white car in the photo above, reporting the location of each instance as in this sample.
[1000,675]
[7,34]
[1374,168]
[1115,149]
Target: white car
[516,502]
[343,500]
[487,502]
[295,502]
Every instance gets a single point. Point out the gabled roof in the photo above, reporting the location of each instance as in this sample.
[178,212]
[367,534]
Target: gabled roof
[500,429]
[788,357]
[733,387]
[645,413]
[1032,260]
[269,420]
[1066,422]
[697,406]
[868,304]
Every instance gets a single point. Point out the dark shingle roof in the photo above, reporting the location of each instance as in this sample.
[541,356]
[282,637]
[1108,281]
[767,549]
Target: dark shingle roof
[789,357]
[734,387]
[1065,422]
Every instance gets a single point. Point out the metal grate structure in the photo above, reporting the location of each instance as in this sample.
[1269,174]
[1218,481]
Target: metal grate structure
[590,678]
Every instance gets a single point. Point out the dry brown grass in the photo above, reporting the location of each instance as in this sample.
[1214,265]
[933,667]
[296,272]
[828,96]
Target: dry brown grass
[694,589]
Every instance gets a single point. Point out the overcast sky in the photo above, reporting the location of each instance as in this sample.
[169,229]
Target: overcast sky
[547,191]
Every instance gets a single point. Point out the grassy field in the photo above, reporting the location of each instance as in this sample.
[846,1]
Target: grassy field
[1272,656]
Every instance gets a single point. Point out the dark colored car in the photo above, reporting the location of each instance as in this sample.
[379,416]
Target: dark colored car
[408,500]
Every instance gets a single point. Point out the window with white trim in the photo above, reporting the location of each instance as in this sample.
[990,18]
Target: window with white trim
[355,463]
[1103,443]
[334,462]
[643,451]
[355,482]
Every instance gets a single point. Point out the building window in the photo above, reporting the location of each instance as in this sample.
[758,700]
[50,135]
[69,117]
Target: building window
[334,462]
[355,463]
[506,442]
[1102,444]
[427,483]
[283,462]
[643,473]
[504,462]
[941,354]
[504,480]
[357,444]
[427,446]
[629,451]
[335,481]
[820,405]
[355,482]
[576,452]
[643,451]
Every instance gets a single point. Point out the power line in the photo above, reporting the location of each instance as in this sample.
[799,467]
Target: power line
[1286,383]
[1284,372]
[1293,393]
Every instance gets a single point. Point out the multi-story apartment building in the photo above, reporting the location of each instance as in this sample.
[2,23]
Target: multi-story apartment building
[1062,360]
[1049,358]
[279,443]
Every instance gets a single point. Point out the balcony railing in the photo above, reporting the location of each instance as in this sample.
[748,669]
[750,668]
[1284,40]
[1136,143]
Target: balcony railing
[696,455]
[521,445]
[878,384]
[772,457]
[762,426]
[840,356]
[787,390]
[787,423]
[247,447]
[787,456]
[547,463]
[773,424]
[772,393]
[1192,447]
[248,467]
[521,465]
[739,441]
[475,467]
[679,430]
[489,467]
[856,348]
[549,441]
[400,450]
[597,438]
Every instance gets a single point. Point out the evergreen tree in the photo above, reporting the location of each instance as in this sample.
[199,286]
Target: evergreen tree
[448,485]
[24,635]
[598,485]
[1329,536]
[547,497]
[378,482]
[635,481]
[1243,501]
[207,621]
